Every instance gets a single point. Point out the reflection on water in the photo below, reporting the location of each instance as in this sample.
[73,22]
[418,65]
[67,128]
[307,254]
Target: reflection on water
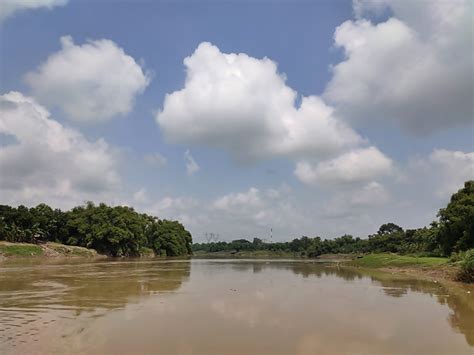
[226,307]
[459,298]
[35,295]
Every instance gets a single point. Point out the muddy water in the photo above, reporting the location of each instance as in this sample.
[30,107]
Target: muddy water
[226,307]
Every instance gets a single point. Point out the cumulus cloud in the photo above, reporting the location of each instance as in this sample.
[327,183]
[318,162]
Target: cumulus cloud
[358,207]
[443,171]
[191,165]
[354,166]
[250,198]
[247,213]
[10,7]
[91,82]
[242,104]
[47,162]
[188,210]
[355,201]
[371,194]
[415,70]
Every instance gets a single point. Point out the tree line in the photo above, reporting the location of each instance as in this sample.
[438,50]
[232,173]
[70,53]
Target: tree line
[453,232]
[114,231]
[121,231]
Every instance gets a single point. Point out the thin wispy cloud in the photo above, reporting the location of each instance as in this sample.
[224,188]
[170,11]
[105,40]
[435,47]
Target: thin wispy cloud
[191,166]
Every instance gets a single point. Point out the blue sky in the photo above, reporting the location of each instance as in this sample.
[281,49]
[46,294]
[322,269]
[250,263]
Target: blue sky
[386,134]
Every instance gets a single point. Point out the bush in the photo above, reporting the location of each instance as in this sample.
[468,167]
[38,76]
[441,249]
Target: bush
[146,252]
[457,257]
[466,273]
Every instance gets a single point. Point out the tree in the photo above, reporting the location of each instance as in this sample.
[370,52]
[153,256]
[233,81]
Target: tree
[170,238]
[389,228]
[257,243]
[456,221]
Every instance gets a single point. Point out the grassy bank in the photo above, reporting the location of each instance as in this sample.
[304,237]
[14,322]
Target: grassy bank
[395,260]
[428,267]
[18,250]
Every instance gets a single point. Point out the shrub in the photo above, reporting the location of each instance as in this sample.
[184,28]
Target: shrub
[466,273]
[457,257]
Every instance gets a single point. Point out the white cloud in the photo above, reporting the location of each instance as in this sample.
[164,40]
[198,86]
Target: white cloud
[191,165]
[354,166]
[155,159]
[357,208]
[188,210]
[234,215]
[356,201]
[47,162]
[416,68]
[255,210]
[91,82]
[10,7]
[140,196]
[371,194]
[442,172]
[242,104]
[250,198]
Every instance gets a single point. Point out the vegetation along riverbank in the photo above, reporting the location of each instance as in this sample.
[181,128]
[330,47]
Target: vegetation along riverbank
[50,249]
[113,231]
[445,248]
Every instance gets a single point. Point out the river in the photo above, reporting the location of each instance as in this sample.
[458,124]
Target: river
[208,307]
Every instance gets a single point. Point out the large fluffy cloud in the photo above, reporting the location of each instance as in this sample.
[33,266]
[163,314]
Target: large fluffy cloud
[243,105]
[91,82]
[43,161]
[416,68]
[355,166]
[10,7]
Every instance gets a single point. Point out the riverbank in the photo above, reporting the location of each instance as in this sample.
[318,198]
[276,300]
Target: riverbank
[47,250]
[434,268]
[255,254]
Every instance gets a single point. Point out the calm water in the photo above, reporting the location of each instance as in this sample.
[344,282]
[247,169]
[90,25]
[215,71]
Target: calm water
[226,307]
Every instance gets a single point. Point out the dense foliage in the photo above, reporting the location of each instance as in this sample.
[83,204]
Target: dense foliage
[456,230]
[115,231]
[466,272]
[452,233]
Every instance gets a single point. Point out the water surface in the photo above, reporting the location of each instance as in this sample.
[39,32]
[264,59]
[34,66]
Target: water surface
[226,307]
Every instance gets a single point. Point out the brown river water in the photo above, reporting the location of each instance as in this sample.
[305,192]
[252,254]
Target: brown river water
[218,307]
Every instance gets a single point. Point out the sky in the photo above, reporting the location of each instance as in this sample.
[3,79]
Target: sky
[271,119]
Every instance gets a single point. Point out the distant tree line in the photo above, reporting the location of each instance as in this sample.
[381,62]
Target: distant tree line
[121,231]
[114,231]
[453,232]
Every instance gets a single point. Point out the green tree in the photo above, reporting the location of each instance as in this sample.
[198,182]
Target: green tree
[170,238]
[456,221]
